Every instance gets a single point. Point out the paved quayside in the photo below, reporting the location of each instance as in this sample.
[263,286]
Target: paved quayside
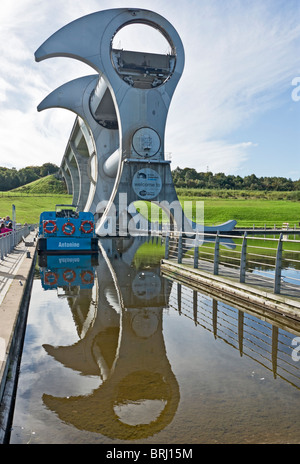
[16,272]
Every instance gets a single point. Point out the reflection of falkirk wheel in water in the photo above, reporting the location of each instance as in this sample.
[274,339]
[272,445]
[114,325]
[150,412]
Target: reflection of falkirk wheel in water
[122,116]
[139,394]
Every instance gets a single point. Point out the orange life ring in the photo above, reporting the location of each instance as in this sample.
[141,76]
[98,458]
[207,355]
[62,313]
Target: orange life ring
[90,229]
[51,282]
[51,231]
[84,280]
[68,278]
[70,224]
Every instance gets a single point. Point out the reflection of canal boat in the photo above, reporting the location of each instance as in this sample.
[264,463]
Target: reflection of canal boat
[67,271]
[66,230]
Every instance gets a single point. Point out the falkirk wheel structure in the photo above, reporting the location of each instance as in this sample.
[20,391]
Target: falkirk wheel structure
[115,155]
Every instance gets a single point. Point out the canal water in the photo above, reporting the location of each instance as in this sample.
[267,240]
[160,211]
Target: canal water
[116,353]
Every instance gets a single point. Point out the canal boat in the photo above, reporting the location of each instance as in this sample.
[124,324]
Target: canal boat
[66,231]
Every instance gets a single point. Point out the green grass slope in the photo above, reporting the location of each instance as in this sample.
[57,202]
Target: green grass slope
[247,207]
[47,184]
[29,207]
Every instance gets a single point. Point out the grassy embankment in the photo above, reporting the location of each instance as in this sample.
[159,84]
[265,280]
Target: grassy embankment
[247,207]
[31,199]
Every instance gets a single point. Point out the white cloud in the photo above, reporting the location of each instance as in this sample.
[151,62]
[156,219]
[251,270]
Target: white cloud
[240,58]
[29,137]
[239,63]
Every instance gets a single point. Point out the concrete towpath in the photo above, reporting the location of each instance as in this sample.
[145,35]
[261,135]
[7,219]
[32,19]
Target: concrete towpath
[16,271]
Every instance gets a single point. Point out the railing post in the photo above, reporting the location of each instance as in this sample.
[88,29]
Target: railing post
[243,259]
[7,244]
[196,251]
[278,263]
[180,248]
[167,246]
[216,254]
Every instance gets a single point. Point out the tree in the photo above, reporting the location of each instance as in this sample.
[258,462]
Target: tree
[12,178]
[48,168]
[189,177]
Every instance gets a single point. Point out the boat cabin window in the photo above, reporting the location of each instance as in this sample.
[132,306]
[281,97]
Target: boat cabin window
[66,211]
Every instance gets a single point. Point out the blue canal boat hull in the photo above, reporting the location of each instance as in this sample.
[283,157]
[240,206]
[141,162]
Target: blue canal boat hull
[66,231]
[60,245]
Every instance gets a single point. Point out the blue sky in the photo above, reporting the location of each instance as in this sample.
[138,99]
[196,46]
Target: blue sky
[231,112]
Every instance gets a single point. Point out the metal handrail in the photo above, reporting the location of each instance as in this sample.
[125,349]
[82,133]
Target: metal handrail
[194,249]
[9,240]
